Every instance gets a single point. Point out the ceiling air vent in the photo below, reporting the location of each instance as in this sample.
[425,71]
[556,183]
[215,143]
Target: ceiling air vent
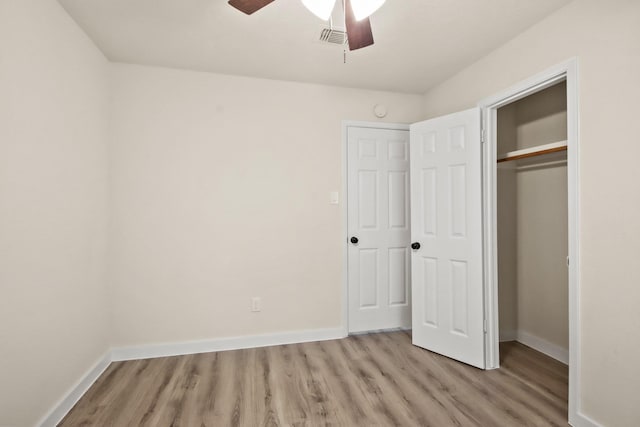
[334,36]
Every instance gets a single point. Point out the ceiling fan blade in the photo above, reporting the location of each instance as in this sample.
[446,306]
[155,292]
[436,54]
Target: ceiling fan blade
[358,32]
[249,6]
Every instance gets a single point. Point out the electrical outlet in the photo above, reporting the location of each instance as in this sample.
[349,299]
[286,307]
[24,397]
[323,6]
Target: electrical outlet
[256,304]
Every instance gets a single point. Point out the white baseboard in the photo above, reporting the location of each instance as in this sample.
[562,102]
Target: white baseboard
[64,405]
[582,420]
[543,346]
[221,344]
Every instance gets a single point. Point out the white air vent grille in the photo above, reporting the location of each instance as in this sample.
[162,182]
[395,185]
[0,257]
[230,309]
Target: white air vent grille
[332,35]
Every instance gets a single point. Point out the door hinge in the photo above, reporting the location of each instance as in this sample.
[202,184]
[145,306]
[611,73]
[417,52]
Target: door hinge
[484,326]
[483,136]
[567,261]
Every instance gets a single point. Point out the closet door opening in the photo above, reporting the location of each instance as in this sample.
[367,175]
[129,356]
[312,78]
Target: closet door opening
[532,223]
[531,240]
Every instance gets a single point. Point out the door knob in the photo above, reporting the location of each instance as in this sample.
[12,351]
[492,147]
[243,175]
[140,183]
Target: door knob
[354,240]
[415,246]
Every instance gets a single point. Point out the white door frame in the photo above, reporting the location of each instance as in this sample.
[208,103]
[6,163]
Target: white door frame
[346,124]
[565,71]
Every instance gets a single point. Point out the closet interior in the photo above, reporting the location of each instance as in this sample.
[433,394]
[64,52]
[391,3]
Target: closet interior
[532,212]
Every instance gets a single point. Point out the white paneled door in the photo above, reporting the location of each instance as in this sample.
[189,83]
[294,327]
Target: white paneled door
[379,282]
[446,235]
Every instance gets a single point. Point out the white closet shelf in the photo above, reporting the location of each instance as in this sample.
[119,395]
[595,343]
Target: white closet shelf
[533,151]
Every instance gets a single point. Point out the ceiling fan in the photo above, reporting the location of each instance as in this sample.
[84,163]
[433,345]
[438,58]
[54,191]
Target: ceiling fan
[356,12]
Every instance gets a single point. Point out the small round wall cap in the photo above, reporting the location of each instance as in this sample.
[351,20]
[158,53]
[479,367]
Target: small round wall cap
[380,110]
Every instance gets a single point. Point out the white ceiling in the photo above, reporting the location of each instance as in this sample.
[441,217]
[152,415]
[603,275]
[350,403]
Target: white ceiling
[418,43]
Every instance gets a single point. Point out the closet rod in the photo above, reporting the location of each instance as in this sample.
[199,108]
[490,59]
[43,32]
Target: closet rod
[535,151]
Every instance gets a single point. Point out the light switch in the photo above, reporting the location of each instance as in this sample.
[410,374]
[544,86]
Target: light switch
[333,198]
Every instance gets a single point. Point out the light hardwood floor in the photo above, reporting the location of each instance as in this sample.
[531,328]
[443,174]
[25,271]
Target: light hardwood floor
[366,380]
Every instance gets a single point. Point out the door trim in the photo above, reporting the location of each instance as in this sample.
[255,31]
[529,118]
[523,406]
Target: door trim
[346,124]
[568,71]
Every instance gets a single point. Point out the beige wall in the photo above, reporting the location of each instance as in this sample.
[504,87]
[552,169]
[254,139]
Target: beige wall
[53,129]
[604,37]
[542,250]
[541,118]
[220,190]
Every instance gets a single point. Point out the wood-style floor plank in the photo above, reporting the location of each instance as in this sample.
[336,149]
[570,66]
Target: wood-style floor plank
[364,380]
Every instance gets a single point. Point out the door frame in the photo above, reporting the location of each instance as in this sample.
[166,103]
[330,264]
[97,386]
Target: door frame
[566,71]
[346,124]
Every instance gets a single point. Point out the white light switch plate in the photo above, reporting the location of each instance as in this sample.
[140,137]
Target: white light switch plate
[334,198]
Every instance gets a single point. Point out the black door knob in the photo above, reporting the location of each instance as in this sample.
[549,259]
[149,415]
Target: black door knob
[415,246]
[354,240]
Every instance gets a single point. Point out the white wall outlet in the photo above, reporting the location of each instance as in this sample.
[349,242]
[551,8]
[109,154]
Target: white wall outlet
[256,304]
[334,198]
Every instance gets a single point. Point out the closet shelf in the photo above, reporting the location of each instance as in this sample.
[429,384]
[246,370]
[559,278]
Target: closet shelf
[533,151]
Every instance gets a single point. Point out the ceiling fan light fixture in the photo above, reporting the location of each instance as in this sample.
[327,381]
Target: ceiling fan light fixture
[364,8]
[321,8]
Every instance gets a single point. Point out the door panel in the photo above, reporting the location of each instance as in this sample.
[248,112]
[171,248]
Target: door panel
[398,276]
[446,215]
[379,216]
[398,200]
